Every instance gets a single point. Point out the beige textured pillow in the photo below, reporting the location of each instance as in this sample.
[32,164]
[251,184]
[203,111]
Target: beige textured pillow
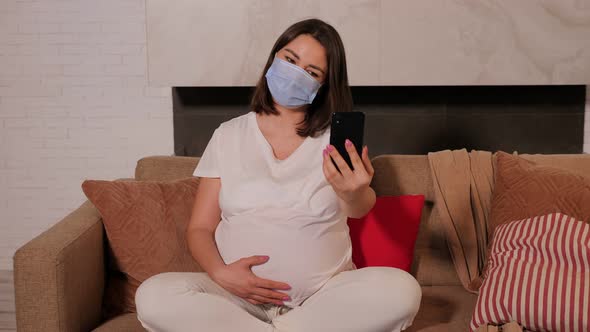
[524,189]
[145,223]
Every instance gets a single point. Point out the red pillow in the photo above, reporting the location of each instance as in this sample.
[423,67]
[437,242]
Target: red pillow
[386,235]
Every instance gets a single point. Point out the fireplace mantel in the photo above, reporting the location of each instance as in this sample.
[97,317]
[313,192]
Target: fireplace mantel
[391,43]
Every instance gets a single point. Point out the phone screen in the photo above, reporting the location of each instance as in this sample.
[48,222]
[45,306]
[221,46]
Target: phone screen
[347,125]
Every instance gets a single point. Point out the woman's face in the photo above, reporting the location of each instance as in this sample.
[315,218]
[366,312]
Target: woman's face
[307,53]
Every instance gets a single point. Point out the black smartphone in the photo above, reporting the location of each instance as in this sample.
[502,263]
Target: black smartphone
[345,125]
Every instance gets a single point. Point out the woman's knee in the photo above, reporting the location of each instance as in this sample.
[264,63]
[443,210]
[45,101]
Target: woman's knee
[148,296]
[156,291]
[395,288]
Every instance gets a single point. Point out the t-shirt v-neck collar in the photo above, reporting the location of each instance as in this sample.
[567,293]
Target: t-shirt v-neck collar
[269,151]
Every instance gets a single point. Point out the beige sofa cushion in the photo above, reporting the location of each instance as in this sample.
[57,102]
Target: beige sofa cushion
[444,308]
[125,322]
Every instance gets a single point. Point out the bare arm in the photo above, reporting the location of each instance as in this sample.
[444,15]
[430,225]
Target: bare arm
[205,217]
[360,204]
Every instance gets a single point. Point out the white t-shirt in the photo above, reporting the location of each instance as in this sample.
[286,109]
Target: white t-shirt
[285,209]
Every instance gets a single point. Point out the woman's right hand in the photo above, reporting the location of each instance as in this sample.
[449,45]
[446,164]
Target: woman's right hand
[238,279]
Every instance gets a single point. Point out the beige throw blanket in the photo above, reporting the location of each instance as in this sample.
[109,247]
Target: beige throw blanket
[463,184]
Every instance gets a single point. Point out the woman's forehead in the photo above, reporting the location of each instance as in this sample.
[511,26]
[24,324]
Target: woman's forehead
[308,49]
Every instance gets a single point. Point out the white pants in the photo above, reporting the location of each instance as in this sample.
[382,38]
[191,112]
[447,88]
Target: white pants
[371,299]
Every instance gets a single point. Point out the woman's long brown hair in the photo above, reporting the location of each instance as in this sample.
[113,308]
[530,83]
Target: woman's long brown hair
[333,96]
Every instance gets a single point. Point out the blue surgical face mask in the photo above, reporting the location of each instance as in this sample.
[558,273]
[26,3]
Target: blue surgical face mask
[290,85]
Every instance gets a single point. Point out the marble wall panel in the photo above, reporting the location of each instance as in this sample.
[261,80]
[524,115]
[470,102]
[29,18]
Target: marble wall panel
[405,42]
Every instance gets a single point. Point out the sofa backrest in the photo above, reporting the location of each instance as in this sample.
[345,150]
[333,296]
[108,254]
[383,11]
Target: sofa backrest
[165,168]
[410,175]
[394,175]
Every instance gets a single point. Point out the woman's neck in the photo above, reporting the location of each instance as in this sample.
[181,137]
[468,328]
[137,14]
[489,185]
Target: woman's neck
[288,118]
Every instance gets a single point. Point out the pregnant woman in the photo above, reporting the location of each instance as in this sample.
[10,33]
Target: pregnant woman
[269,224]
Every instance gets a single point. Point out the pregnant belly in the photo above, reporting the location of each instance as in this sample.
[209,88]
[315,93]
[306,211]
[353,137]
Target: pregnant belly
[304,258]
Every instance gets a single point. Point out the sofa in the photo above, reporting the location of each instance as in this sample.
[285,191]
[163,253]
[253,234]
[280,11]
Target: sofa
[59,276]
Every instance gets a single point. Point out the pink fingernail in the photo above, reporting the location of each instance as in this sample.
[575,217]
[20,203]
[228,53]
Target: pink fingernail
[330,148]
[348,143]
[325,153]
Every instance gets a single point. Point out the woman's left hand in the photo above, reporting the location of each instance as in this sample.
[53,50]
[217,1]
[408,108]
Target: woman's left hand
[348,184]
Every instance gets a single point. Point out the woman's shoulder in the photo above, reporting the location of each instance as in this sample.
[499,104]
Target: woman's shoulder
[235,125]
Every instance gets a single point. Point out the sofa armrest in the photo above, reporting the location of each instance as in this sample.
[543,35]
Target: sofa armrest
[59,276]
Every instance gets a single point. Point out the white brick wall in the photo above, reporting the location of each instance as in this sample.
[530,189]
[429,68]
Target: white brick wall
[74,105]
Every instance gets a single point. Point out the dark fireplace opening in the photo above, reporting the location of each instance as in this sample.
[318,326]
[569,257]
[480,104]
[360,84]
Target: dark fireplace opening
[418,119]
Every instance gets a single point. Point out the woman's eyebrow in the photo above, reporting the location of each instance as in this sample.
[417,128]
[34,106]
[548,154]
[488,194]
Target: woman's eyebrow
[297,57]
[294,54]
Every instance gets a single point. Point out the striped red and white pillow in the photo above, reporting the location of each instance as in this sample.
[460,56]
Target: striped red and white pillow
[538,275]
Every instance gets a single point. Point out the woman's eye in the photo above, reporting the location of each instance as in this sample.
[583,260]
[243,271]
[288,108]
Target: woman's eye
[313,74]
[289,59]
